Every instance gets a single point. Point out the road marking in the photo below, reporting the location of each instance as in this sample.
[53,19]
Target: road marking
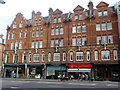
[87,84]
[14,87]
[111,85]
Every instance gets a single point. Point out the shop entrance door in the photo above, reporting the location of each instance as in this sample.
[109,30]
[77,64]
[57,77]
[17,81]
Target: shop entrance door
[106,74]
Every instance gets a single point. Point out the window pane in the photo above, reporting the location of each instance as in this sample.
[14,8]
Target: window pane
[96,55]
[52,31]
[56,56]
[78,29]
[110,39]
[97,27]
[74,29]
[103,26]
[109,25]
[74,42]
[99,14]
[105,55]
[105,13]
[84,28]
[61,31]
[79,56]
[98,40]
[71,56]
[115,55]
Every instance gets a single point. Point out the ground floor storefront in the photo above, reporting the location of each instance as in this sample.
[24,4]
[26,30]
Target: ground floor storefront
[107,71]
[23,70]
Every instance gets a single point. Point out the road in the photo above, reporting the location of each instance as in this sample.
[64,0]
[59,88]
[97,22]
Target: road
[32,84]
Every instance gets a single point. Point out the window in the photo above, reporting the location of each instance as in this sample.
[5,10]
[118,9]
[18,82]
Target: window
[78,29]
[64,56]
[84,41]
[88,55]
[41,44]
[115,55]
[15,59]
[56,42]
[25,34]
[104,39]
[36,22]
[71,56]
[49,56]
[16,46]
[36,45]
[12,46]
[103,26]
[98,40]
[8,36]
[37,33]
[61,42]
[79,56]
[59,20]
[81,17]
[21,24]
[52,31]
[105,13]
[84,28]
[41,33]
[109,25]
[43,57]
[61,31]
[24,58]
[74,42]
[74,29]
[21,34]
[76,17]
[14,25]
[52,43]
[78,41]
[6,58]
[30,57]
[110,39]
[20,45]
[56,31]
[36,57]
[55,20]
[56,57]
[96,55]
[33,34]
[13,35]
[105,55]
[99,14]
[97,27]
[33,44]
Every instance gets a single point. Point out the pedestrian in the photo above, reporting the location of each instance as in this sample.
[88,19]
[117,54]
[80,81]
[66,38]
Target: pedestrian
[71,77]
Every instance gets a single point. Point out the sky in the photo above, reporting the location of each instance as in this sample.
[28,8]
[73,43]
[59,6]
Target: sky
[9,10]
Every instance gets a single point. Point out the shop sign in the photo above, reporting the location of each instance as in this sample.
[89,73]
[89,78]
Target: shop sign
[79,66]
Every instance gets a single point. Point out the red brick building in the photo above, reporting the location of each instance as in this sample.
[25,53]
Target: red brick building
[79,42]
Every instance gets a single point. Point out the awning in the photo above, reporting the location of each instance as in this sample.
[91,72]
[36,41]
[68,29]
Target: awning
[79,70]
[77,65]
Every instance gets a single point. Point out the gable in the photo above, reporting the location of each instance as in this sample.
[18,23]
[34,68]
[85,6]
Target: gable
[78,8]
[57,11]
[102,4]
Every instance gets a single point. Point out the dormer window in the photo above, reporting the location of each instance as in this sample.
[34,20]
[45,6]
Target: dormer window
[21,24]
[105,13]
[55,20]
[81,17]
[14,25]
[59,20]
[76,17]
[99,14]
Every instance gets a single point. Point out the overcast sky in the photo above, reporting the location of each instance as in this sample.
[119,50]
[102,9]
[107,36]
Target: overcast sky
[9,10]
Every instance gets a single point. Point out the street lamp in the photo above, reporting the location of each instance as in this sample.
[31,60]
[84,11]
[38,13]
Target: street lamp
[2,2]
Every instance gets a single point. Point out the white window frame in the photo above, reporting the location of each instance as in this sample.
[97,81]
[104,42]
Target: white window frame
[76,17]
[88,55]
[56,31]
[64,56]
[73,41]
[56,57]
[109,25]
[41,44]
[105,13]
[43,57]
[33,45]
[8,36]
[36,57]
[59,19]
[81,17]
[36,44]
[55,20]
[71,56]
[104,26]
[105,55]
[110,39]
[98,39]
[83,41]
[61,31]
[61,42]
[52,43]
[104,39]
[79,56]
[83,28]
[49,56]
[74,29]
[98,27]
[20,45]
[99,14]
[30,57]
[52,31]
[115,55]
[96,55]
[79,29]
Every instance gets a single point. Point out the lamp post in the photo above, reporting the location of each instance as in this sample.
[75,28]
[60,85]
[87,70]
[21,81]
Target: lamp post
[2,2]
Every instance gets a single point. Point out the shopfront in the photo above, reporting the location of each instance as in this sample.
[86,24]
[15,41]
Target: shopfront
[53,71]
[76,69]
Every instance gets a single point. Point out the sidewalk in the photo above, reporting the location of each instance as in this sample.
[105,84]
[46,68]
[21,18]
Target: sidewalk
[54,80]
